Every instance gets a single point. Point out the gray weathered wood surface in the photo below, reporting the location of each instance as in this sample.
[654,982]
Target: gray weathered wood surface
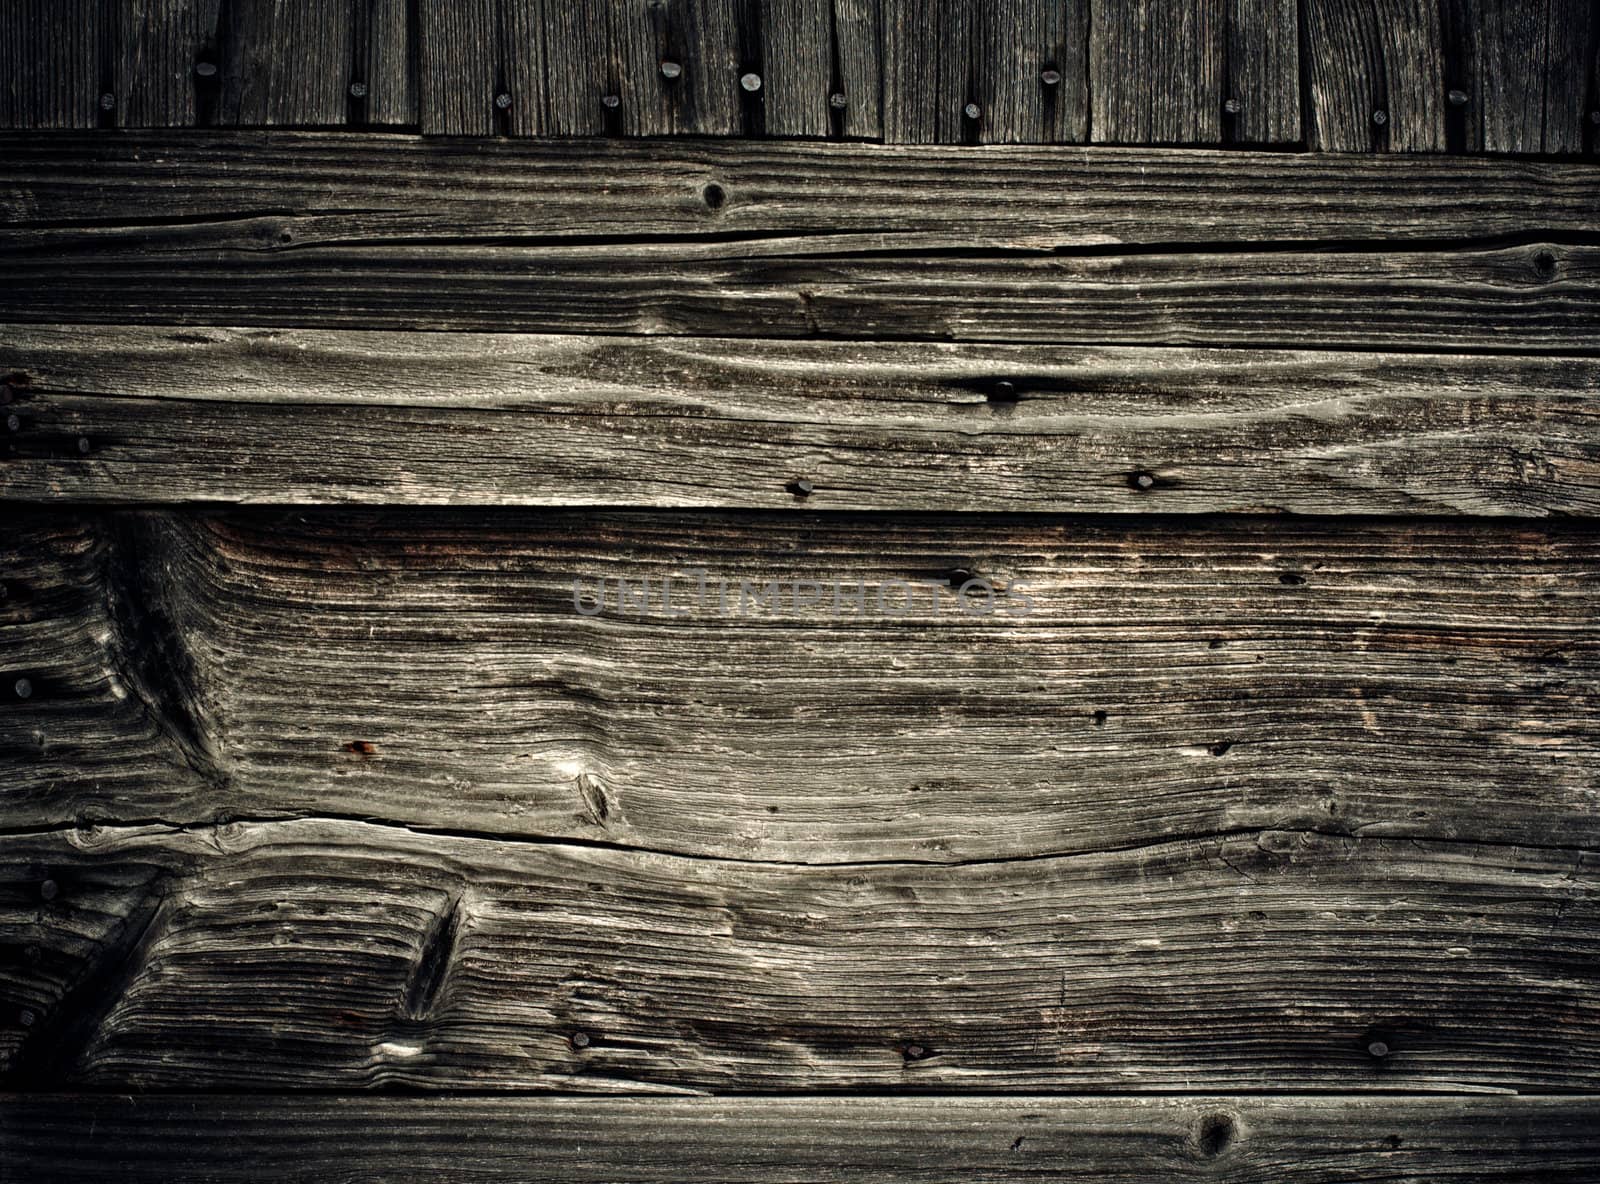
[1006,244]
[1031,71]
[346,955]
[1120,1140]
[151,414]
[430,669]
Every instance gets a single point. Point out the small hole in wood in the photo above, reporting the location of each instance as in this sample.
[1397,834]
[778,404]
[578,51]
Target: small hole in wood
[1290,579]
[1099,719]
[715,196]
[1544,263]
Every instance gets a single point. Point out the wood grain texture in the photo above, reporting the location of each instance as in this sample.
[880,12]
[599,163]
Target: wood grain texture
[434,670]
[157,45]
[1113,1140]
[1156,71]
[1376,73]
[459,70]
[939,60]
[1263,73]
[286,63]
[1522,68]
[797,240]
[389,63]
[334,954]
[239,415]
[49,63]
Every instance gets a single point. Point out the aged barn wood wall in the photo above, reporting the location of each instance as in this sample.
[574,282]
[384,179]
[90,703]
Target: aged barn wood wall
[498,498]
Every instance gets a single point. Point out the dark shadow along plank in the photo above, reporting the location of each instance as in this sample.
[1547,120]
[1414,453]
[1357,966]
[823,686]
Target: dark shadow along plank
[1108,1140]
[50,63]
[1262,103]
[1156,72]
[147,414]
[1521,72]
[960,73]
[329,954]
[797,240]
[1376,75]
[1411,680]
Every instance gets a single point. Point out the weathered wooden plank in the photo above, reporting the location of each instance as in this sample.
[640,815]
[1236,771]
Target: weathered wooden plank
[798,75]
[387,91]
[1519,72]
[1376,70]
[158,50]
[460,79]
[1111,1140]
[959,73]
[857,41]
[285,63]
[1262,104]
[295,416]
[1156,72]
[1417,680]
[50,63]
[392,186]
[286,271]
[338,954]
[798,240]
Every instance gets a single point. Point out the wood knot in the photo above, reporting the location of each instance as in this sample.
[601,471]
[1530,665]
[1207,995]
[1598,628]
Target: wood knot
[1544,265]
[1214,1134]
[714,195]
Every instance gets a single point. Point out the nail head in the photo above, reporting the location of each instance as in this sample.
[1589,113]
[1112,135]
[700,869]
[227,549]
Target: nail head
[1144,480]
[48,890]
[670,70]
[801,487]
[580,1040]
[108,101]
[83,445]
[972,111]
[1458,98]
[13,422]
[358,90]
[751,82]
[1378,1048]
[1380,117]
[23,688]
[1050,77]
[26,1018]
[206,69]
[837,101]
[502,101]
[611,102]
[1233,106]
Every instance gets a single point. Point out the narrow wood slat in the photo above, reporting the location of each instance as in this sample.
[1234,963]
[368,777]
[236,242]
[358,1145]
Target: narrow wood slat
[1522,70]
[796,240]
[799,52]
[1228,1139]
[436,670]
[50,63]
[159,44]
[1263,75]
[858,33]
[459,72]
[1376,75]
[340,955]
[1156,72]
[285,63]
[390,71]
[943,60]
[312,416]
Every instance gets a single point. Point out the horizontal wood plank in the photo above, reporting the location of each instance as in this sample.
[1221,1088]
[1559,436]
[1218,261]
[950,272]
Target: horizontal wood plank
[295,416]
[440,669]
[796,240]
[335,954]
[1123,1140]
